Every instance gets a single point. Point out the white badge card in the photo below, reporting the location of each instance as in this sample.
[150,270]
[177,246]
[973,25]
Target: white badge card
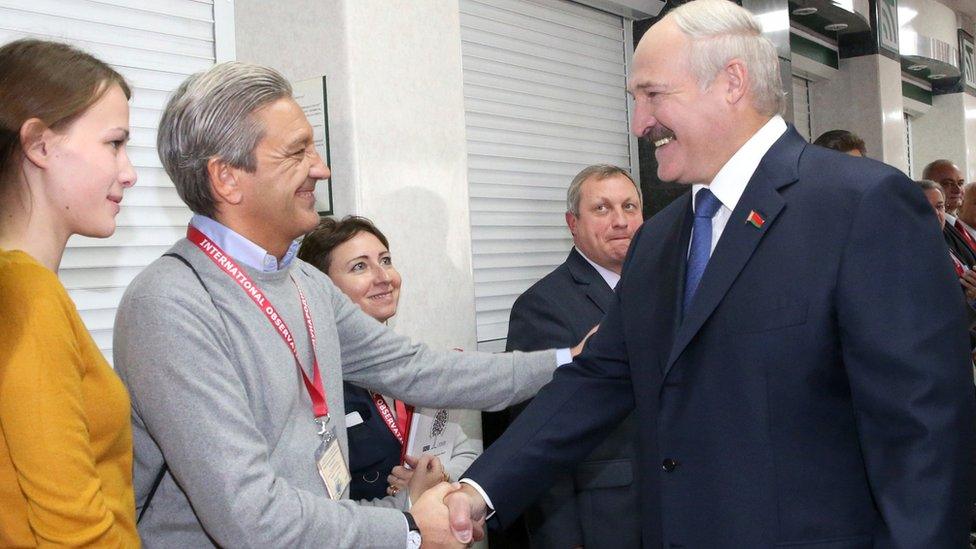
[332,467]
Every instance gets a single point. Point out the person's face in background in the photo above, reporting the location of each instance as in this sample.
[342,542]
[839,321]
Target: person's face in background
[855,152]
[937,200]
[363,269]
[949,176]
[87,168]
[609,214]
[967,212]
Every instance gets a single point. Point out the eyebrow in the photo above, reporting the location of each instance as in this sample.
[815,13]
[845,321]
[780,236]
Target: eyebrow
[299,141]
[125,132]
[647,85]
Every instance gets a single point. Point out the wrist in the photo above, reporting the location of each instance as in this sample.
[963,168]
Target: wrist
[414,539]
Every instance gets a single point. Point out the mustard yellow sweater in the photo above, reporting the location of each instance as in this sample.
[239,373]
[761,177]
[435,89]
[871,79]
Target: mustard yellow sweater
[65,436]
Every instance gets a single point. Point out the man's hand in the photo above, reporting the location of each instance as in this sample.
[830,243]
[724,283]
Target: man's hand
[575,351]
[968,281]
[431,516]
[467,512]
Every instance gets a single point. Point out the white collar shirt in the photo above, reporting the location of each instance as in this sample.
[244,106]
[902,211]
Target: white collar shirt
[731,180]
[241,249]
[609,276]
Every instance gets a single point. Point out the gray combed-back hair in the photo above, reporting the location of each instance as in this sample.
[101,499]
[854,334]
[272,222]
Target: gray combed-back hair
[929,185]
[211,116]
[601,172]
[719,31]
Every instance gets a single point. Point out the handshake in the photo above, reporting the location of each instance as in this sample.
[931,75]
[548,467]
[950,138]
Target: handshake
[450,515]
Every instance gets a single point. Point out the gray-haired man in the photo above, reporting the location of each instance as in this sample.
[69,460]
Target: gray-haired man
[234,351]
[785,396]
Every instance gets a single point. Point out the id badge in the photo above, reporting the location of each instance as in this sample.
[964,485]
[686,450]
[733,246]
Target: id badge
[332,468]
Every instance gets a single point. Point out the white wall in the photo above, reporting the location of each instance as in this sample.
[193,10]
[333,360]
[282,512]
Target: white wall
[865,98]
[931,19]
[397,137]
[396,121]
[941,133]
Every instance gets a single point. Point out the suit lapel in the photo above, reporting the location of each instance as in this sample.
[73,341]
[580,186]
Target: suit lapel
[652,281]
[597,290]
[740,238]
[679,261]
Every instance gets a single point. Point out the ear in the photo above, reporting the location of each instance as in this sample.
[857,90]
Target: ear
[224,182]
[736,80]
[36,140]
[571,222]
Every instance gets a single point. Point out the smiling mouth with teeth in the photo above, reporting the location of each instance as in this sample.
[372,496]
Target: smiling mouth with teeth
[663,141]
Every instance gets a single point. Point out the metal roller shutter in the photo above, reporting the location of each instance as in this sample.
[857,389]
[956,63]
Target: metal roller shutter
[801,107]
[155,46]
[544,89]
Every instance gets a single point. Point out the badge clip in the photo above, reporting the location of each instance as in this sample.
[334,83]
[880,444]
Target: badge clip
[323,423]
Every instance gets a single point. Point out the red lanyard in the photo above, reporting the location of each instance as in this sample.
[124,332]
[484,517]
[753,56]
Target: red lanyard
[316,390]
[400,425]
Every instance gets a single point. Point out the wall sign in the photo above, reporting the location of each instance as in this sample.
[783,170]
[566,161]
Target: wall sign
[967,59]
[311,96]
[888,25]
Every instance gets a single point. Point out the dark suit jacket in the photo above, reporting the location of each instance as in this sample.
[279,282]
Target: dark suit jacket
[373,450]
[594,506]
[817,393]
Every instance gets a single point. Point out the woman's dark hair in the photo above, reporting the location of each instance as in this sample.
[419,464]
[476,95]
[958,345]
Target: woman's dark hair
[317,246]
[841,140]
[49,81]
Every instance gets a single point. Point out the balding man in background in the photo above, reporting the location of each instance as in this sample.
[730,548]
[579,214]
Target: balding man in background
[947,174]
[967,212]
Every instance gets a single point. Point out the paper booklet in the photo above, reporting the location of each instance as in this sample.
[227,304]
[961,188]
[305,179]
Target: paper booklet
[432,432]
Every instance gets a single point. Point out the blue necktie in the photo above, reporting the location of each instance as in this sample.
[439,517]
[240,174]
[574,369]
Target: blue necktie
[701,242]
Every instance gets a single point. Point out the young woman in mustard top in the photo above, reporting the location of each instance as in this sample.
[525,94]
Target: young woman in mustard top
[65,437]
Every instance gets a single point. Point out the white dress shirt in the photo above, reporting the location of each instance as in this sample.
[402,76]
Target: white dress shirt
[731,180]
[728,186]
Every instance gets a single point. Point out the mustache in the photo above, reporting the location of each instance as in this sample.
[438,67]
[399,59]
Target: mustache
[657,133]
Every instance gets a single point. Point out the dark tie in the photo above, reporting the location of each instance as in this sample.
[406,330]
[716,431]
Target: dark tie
[701,242]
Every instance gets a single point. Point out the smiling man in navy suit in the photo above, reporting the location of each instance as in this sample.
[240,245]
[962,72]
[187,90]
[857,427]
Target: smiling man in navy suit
[789,334]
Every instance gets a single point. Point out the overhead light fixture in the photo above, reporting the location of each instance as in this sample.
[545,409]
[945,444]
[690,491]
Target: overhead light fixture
[804,11]
[846,5]
[905,15]
[836,27]
[916,67]
[939,76]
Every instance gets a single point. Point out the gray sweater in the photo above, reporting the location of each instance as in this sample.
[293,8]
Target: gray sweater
[217,396]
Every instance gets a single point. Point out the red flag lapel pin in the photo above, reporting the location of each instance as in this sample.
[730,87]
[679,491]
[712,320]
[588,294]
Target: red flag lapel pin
[755,219]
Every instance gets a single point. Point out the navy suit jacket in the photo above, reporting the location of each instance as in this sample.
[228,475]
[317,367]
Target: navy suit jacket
[818,392]
[373,450]
[594,506]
